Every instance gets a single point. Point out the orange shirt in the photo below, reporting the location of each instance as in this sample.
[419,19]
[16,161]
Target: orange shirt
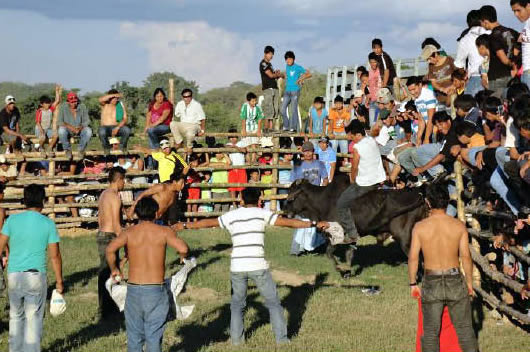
[338,120]
[477,140]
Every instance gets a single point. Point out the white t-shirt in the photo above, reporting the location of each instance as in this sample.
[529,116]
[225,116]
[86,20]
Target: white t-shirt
[193,113]
[525,36]
[11,171]
[385,134]
[512,134]
[467,52]
[237,159]
[370,170]
[247,229]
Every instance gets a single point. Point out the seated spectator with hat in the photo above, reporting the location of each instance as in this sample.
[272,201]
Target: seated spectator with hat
[328,156]
[8,171]
[73,120]
[9,123]
[113,120]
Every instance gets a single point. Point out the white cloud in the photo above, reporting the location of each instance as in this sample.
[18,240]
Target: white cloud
[213,57]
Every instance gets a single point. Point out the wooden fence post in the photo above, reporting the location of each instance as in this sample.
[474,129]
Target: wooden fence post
[275,162]
[172,91]
[459,190]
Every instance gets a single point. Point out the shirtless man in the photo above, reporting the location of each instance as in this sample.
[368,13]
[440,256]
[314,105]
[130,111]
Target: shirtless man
[109,219]
[165,194]
[113,120]
[443,241]
[146,304]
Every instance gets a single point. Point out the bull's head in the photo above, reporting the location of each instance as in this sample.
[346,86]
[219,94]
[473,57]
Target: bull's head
[294,204]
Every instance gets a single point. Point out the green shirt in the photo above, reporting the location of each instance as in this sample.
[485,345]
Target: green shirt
[252,116]
[29,234]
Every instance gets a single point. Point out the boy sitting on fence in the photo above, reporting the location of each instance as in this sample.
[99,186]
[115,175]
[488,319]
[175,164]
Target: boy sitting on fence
[237,159]
[45,124]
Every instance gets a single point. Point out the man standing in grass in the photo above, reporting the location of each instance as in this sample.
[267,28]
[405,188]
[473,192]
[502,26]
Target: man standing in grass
[109,221]
[443,241]
[247,230]
[29,234]
[147,301]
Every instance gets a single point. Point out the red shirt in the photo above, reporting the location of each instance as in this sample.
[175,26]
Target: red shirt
[38,114]
[156,113]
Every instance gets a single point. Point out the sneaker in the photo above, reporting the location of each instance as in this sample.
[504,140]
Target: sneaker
[350,240]
[292,130]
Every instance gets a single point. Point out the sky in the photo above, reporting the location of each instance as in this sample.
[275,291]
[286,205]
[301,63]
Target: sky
[92,44]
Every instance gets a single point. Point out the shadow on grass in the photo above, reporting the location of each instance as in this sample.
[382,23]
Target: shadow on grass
[90,332]
[375,254]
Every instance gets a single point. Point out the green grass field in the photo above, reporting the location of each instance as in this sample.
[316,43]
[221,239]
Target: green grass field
[324,312]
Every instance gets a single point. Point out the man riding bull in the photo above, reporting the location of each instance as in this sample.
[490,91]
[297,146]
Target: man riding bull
[367,173]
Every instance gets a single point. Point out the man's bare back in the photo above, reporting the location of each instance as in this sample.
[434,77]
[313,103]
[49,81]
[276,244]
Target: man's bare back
[440,237]
[146,244]
[163,194]
[109,211]
[108,115]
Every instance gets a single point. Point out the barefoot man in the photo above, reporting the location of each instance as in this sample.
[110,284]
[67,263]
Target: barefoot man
[443,241]
[109,218]
[166,195]
[146,304]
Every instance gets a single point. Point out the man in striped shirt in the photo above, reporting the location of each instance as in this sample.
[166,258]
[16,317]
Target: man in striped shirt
[247,230]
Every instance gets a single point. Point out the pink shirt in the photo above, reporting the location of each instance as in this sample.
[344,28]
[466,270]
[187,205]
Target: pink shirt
[374,83]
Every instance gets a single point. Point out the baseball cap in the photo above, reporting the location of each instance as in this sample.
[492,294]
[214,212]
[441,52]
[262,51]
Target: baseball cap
[384,96]
[10,99]
[114,140]
[308,147]
[358,94]
[71,96]
[3,160]
[427,51]
[324,140]
[164,143]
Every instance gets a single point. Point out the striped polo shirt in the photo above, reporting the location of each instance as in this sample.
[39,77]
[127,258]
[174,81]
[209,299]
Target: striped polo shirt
[247,230]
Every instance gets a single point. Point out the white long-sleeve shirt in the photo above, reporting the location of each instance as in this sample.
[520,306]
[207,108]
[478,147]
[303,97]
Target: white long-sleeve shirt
[466,51]
[193,113]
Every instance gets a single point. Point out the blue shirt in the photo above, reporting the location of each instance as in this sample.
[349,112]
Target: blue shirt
[314,172]
[293,74]
[29,234]
[327,157]
[318,121]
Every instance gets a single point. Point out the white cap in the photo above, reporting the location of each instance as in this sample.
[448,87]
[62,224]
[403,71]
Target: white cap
[164,143]
[358,94]
[3,159]
[10,99]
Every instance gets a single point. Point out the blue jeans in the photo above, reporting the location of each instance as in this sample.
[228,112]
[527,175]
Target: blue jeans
[146,311]
[48,133]
[155,133]
[267,289]
[27,303]
[372,113]
[474,85]
[406,159]
[502,156]
[105,132]
[290,98]
[342,143]
[424,154]
[65,134]
[472,154]
[499,182]
[525,78]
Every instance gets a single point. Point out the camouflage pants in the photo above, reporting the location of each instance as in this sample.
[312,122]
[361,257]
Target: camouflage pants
[271,104]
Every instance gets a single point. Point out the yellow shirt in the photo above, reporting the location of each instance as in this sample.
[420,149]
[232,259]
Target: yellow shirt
[476,140]
[166,164]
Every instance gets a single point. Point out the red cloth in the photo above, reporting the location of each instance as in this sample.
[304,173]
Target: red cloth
[237,176]
[193,193]
[156,113]
[448,337]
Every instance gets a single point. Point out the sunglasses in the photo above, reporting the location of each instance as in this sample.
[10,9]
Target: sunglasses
[186,96]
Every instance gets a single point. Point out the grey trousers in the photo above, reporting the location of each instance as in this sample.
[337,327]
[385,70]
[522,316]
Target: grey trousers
[439,291]
[271,103]
[344,203]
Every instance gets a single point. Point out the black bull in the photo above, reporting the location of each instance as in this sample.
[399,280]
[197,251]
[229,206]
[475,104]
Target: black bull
[377,212]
